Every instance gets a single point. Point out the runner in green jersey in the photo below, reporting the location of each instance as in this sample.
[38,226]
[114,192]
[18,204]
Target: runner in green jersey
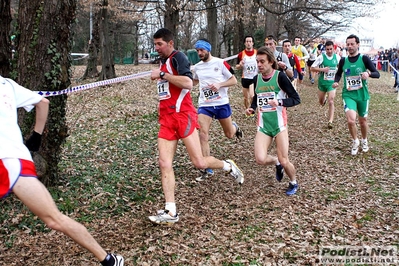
[356,69]
[274,92]
[326,65]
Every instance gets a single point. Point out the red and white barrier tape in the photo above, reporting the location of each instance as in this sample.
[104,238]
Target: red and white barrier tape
[103,83]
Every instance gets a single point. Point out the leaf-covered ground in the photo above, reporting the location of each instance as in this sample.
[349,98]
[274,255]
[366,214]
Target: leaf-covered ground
[110,183]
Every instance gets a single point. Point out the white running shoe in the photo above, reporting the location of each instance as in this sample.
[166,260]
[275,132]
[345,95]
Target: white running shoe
[355,146]
[163,217]
[236,172]
[365,145]
[119,261]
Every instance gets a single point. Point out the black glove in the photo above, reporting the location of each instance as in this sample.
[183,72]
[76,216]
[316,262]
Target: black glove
[34,141]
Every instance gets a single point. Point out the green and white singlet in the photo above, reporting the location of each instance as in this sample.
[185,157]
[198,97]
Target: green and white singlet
[354,87]
[271,120]
[327,79]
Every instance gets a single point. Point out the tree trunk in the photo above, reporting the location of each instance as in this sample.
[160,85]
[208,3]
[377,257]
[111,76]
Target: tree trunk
[136,43]
[213,33]
[5,44]
[91,69]
[43,64]
[171,19]
[239,27]
[271,25]
[108,66]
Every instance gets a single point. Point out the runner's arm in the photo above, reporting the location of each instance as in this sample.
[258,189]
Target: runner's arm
[305,53]
[371,67]
[338,75]
[184,79]
[239,58]
[286,85]
[41,115]
[288,70]
[315,66]
[297,65]
[254,103]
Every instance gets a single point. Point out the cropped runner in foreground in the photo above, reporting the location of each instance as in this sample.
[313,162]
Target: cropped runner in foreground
[18,172]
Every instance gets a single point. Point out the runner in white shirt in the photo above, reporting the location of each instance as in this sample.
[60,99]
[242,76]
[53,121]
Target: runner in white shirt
[214,76]
[246,61]
[312,50]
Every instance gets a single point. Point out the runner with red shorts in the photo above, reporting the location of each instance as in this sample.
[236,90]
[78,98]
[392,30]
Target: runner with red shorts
[178,120]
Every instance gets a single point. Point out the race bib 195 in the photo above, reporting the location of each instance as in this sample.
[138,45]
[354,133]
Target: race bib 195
[354,83]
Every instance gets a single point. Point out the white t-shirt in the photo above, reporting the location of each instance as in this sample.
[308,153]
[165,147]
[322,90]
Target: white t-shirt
[13,96]
[214,71]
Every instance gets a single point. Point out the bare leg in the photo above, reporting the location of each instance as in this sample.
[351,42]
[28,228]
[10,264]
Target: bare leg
[245,93]
[167,149]
[205,123]
[192,143]
[351,120]
[364,127]
[228,128]
[37,198]
[282,144]
[262,144]
[331,107]
[250,94]
[321,97]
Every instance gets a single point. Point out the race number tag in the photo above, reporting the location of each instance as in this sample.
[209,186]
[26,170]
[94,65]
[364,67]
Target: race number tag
[353,83]
[330,74]
[163,90]
[263,101]
[210,95]
[250,70]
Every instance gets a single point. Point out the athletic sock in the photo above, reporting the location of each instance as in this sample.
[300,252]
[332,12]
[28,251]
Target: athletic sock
[171,207]
[226,166]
